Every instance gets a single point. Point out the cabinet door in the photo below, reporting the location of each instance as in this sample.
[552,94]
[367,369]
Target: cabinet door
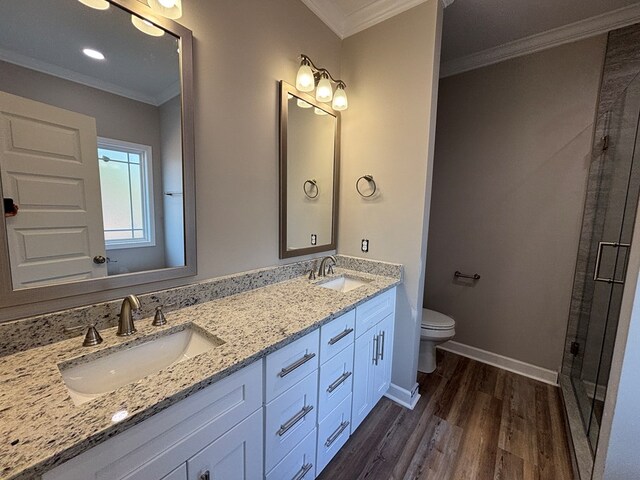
[237,455]
[382,370]
[363,376]
[179,473]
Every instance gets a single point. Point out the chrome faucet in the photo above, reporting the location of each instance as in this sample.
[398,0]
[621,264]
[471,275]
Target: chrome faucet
[322,271]
[125,325]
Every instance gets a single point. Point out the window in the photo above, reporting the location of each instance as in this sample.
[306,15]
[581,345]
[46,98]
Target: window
[126,184]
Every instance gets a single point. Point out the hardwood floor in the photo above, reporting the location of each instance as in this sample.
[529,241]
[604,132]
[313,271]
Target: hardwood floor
[473,422]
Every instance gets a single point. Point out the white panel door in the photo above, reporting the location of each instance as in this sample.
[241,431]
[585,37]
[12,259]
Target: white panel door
[382,372]
[363,376]
[49,166]
[237,455]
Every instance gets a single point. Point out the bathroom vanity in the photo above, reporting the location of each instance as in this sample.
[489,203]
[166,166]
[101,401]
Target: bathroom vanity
[290,371]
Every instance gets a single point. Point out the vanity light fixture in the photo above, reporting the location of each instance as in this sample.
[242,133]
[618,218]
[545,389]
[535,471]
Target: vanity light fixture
[91,53]
[97,4]
[319,111]
[145,26]
[167,8]
[311,77]
[302,104]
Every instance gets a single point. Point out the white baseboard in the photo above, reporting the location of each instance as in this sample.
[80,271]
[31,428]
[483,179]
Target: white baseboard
[402,396]
[500,361]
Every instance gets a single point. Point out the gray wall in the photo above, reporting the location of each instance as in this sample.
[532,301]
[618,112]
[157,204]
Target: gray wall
[117,118]
[512,155]
[391,71]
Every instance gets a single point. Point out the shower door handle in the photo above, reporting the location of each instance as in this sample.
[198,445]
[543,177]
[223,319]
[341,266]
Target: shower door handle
[596,274]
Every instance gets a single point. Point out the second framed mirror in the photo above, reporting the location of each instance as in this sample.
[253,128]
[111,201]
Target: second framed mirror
[309,174]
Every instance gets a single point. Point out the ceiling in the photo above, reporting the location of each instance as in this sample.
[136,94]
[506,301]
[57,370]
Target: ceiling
[49,36]
[471,26]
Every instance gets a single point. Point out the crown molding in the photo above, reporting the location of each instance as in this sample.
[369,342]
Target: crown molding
[329,14]
[552,38]
[66,74]
[376,12]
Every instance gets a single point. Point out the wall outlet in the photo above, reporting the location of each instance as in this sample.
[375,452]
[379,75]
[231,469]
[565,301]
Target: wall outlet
[365,245]
[314,239]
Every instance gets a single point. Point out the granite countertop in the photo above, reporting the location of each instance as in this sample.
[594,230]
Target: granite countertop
[41,427]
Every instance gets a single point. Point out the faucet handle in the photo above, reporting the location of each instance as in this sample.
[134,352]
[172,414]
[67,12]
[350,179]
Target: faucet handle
[312,274]
[92,338]
[159,319]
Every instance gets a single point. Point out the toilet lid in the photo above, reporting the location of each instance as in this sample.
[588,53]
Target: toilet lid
[436,321]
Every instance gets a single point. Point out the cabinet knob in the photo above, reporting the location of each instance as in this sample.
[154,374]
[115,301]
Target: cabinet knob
[205,476]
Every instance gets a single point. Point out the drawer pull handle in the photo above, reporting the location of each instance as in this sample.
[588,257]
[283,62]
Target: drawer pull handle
[340,336]
[287,370]
[334,436]
[376,343]
[303,471]
[285,427]
[205,476]
[382,346]
[338,382]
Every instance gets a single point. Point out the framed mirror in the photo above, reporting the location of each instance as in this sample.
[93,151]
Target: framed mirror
[309,173]
[96,148]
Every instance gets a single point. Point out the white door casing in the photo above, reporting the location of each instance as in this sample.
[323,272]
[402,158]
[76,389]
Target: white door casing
[49,166]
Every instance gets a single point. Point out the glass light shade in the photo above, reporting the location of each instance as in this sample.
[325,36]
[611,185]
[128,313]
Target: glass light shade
[146,26]
[304,80]
[97,4]
[319,111]
[167,8]
[302,104]
[340,101]
[324,92]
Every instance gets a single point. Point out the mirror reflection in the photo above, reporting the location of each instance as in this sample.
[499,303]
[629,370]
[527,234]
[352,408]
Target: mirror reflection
[310,163]
[90,142]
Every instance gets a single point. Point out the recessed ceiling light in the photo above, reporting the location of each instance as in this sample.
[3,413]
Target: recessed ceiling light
[91,53]
[97,4]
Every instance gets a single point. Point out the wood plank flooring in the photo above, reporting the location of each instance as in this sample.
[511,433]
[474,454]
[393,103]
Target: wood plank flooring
[472,422]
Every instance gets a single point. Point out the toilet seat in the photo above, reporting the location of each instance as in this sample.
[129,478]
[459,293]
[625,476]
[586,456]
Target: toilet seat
[432,320]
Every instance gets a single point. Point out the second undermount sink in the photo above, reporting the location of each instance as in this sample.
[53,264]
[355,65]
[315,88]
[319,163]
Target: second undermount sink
[91,379]
[344,283]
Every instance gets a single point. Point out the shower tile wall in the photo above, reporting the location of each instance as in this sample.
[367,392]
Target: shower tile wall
[622,65]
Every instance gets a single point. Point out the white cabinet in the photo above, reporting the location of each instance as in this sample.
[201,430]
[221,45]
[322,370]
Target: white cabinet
[373,354]
[154,448]
[237,455]
[179,473]
[336,335]
[333,433]
[300,463]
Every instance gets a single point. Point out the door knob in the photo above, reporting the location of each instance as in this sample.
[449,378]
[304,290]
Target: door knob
[99,260]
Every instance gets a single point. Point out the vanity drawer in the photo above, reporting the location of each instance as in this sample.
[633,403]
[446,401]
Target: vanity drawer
[333,433]
[336,335]
[290,364]
[290,418]
[336,381]
[371,312]
[155,447]
[300,464]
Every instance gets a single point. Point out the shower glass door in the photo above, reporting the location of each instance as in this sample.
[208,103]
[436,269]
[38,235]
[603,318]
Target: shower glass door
[613,222]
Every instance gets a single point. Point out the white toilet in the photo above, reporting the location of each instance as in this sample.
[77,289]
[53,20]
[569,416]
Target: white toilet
[436,328]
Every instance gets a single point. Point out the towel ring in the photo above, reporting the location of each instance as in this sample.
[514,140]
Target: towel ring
[313,184]
[368,178]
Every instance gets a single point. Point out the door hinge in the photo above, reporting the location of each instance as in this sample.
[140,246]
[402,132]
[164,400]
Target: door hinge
[575,348]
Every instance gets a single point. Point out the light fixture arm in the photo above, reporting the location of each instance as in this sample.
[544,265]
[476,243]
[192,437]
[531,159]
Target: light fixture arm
[320,71]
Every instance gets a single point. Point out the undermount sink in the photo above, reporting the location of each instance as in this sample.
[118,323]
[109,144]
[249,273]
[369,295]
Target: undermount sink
[344,283]
[89,380]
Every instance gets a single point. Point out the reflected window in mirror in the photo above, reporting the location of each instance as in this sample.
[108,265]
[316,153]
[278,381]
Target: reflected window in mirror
[309,164]
[92,112]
